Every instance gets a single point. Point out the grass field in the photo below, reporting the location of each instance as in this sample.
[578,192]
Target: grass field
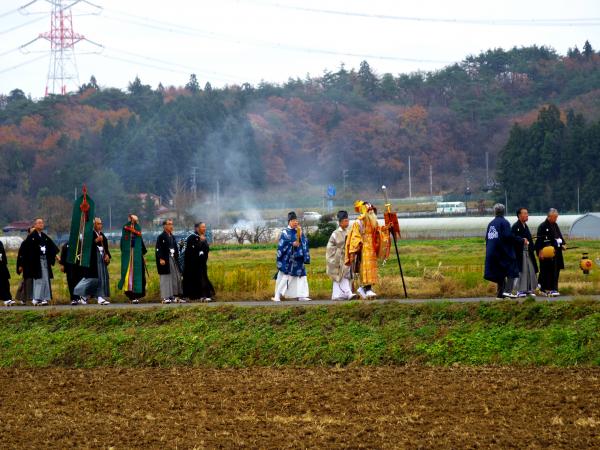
[500,333]
[432,268]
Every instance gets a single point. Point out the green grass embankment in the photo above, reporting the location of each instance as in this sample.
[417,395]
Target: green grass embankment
[562,334]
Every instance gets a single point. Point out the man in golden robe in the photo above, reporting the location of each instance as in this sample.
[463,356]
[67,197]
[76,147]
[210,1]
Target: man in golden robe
[366,242]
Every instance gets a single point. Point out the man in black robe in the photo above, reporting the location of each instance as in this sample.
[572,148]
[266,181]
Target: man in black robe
[167,264]
[526,260]
[5,294]
[549,235]
[72,271]
[196,284]
[39,255]
[25,289]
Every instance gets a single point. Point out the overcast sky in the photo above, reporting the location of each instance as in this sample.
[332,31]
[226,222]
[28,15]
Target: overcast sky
[236,41]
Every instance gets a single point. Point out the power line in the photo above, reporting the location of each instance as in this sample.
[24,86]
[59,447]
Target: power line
[592,21]
[8,13]
[171,63]
[157,67]
[183,29]
[152,66]
[10,51]
[7,69]
[24,24]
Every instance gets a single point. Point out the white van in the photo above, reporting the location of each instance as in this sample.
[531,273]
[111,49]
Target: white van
[451,208]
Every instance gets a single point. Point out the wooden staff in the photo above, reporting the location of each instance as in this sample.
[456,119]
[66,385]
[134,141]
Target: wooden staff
[391,221]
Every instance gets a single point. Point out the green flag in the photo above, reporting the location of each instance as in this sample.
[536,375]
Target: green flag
[132,259]
[82,230]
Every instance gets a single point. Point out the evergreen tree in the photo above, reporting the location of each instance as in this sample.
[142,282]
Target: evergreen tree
[573,53]
[193,86]
[368,81]
[588,51]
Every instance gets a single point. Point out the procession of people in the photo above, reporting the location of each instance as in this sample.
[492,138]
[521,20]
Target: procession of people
[352,255]
[510,259]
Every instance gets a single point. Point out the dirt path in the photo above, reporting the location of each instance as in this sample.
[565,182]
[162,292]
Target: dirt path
[287,303]
[402,407]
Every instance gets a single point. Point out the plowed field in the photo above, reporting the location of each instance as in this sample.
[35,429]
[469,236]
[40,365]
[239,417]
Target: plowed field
[389,407]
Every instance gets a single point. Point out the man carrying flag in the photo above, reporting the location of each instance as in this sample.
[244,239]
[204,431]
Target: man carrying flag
[133,265]
[79,249]
[95,282]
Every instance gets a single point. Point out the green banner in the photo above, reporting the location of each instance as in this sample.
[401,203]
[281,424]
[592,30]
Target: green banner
[82,230]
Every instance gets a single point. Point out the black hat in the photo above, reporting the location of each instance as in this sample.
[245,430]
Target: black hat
[292,215]
[341,215]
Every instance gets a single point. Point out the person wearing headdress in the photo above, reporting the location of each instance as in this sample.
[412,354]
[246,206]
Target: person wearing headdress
[39,253]
[364,245]
[550,244]
[500,259]
[167,264]
[95,281]
[292,255]
[196,284]
[337,270]
[5,294]
[133,264]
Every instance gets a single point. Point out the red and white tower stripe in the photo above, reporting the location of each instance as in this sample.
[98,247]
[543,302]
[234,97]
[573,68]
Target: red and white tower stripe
[62,70]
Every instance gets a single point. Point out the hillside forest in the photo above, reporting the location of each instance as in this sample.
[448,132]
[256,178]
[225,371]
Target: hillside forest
[531,114]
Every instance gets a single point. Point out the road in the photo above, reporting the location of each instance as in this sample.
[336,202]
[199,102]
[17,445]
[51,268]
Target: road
[283,304]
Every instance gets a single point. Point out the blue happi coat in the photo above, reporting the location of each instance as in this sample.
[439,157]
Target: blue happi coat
[290,259]
[500,259]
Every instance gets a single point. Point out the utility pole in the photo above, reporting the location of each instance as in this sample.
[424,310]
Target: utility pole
[487,169]
[344,175]
[194,168]
[62,70]
[577,198]
[430,180]
[409,179]
[218,203]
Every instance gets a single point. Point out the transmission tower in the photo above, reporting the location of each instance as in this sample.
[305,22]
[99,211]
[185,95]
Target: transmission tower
[62,69]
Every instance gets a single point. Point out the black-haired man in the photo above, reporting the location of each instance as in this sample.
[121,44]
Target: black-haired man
[292,255]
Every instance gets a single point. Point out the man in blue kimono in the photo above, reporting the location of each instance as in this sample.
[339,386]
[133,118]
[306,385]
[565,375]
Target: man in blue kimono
[292,255]
[500,259]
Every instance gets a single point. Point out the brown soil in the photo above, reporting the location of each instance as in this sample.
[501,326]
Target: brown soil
[402,407]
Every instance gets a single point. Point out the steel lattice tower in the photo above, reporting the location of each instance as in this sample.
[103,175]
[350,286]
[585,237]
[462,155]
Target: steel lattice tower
[62,69]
